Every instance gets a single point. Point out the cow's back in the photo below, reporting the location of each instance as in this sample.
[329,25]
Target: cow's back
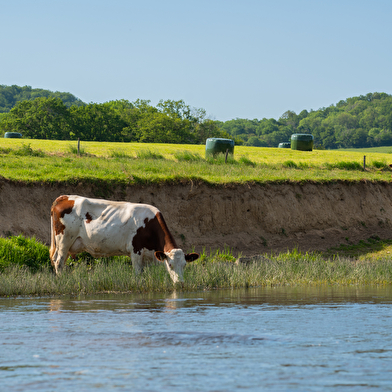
[100,227]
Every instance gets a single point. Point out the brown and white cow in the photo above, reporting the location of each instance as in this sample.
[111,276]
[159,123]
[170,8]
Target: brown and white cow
[110,228]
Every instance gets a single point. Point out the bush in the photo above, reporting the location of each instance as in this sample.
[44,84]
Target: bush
[21,251]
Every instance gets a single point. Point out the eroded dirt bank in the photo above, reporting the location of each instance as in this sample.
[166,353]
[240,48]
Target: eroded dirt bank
[247,218]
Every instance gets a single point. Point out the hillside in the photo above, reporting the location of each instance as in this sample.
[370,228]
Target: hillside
[11,95]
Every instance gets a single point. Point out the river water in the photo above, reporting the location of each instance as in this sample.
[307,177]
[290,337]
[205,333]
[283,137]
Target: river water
[279,339]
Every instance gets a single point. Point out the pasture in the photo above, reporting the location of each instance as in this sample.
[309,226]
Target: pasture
[135,163]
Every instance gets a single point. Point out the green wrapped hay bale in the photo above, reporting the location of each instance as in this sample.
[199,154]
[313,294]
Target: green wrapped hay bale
[216,146]
[284,145]
[13,135]
[302,141]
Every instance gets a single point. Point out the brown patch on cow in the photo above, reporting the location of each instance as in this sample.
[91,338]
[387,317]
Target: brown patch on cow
[155,235]
[61,206]
[89,218]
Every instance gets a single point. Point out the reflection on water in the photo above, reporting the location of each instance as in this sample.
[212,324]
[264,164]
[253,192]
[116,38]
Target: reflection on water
[275,338]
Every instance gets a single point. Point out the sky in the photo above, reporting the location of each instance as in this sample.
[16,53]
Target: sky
[234,58]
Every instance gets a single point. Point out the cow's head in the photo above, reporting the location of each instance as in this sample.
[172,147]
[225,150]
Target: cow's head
[175,261]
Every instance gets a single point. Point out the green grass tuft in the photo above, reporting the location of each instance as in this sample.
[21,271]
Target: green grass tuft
[148,154]
[187,156]
[344,165]
[290,164]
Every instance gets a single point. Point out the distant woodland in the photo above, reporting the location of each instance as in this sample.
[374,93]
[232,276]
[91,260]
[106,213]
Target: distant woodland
[363,121]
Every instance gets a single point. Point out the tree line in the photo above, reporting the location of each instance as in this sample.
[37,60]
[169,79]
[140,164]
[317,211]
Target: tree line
[114,121]
[363,121]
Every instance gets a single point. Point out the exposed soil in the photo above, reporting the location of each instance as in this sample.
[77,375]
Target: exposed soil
[247,218]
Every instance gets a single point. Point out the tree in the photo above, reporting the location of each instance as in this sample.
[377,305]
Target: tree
[42,118]
[97,122]
[160,128]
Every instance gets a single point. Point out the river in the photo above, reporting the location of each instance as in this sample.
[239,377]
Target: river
[278,339]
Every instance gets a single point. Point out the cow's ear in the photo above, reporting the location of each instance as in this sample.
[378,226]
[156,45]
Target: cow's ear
[161,256]
[191,257]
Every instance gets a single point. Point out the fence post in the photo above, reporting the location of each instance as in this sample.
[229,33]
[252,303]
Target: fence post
[364,162]
[227,153]
[78,146]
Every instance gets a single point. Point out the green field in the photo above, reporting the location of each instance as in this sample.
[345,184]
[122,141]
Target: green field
[133,163]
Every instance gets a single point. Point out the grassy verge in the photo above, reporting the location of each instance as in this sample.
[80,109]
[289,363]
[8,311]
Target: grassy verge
[219,270]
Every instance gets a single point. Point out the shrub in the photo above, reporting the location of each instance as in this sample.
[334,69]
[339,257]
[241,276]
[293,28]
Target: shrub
[21,251]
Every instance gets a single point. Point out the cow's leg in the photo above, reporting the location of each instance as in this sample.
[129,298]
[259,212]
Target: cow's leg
[63,244]
[137,262]
[59,259]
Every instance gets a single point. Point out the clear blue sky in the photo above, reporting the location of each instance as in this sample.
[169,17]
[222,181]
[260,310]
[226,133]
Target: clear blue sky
[234,58]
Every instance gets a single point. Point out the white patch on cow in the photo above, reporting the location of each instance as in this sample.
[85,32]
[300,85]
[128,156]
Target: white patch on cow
[175,263]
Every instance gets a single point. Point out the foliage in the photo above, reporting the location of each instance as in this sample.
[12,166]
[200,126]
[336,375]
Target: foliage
[11,95]
[357,122]
[21,251]
[49,117]
[364,121]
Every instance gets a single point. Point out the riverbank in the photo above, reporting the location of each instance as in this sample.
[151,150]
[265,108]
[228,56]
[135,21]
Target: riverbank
[247,218]
[213,272]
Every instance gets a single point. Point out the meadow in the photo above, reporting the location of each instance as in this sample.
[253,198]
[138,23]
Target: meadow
[24,262]
[137,163]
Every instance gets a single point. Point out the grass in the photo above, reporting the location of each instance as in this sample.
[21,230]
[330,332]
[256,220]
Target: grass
[372,264]
[138,163]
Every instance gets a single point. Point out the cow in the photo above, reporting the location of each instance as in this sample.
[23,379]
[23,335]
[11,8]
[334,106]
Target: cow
[106,228]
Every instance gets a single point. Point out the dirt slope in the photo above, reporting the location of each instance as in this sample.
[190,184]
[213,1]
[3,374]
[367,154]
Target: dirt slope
[247,218]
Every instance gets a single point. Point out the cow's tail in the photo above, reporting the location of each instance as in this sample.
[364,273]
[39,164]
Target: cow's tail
[52,239]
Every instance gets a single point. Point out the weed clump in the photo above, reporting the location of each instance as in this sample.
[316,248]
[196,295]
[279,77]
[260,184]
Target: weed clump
[187,156]
[344,165]
[148,154]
